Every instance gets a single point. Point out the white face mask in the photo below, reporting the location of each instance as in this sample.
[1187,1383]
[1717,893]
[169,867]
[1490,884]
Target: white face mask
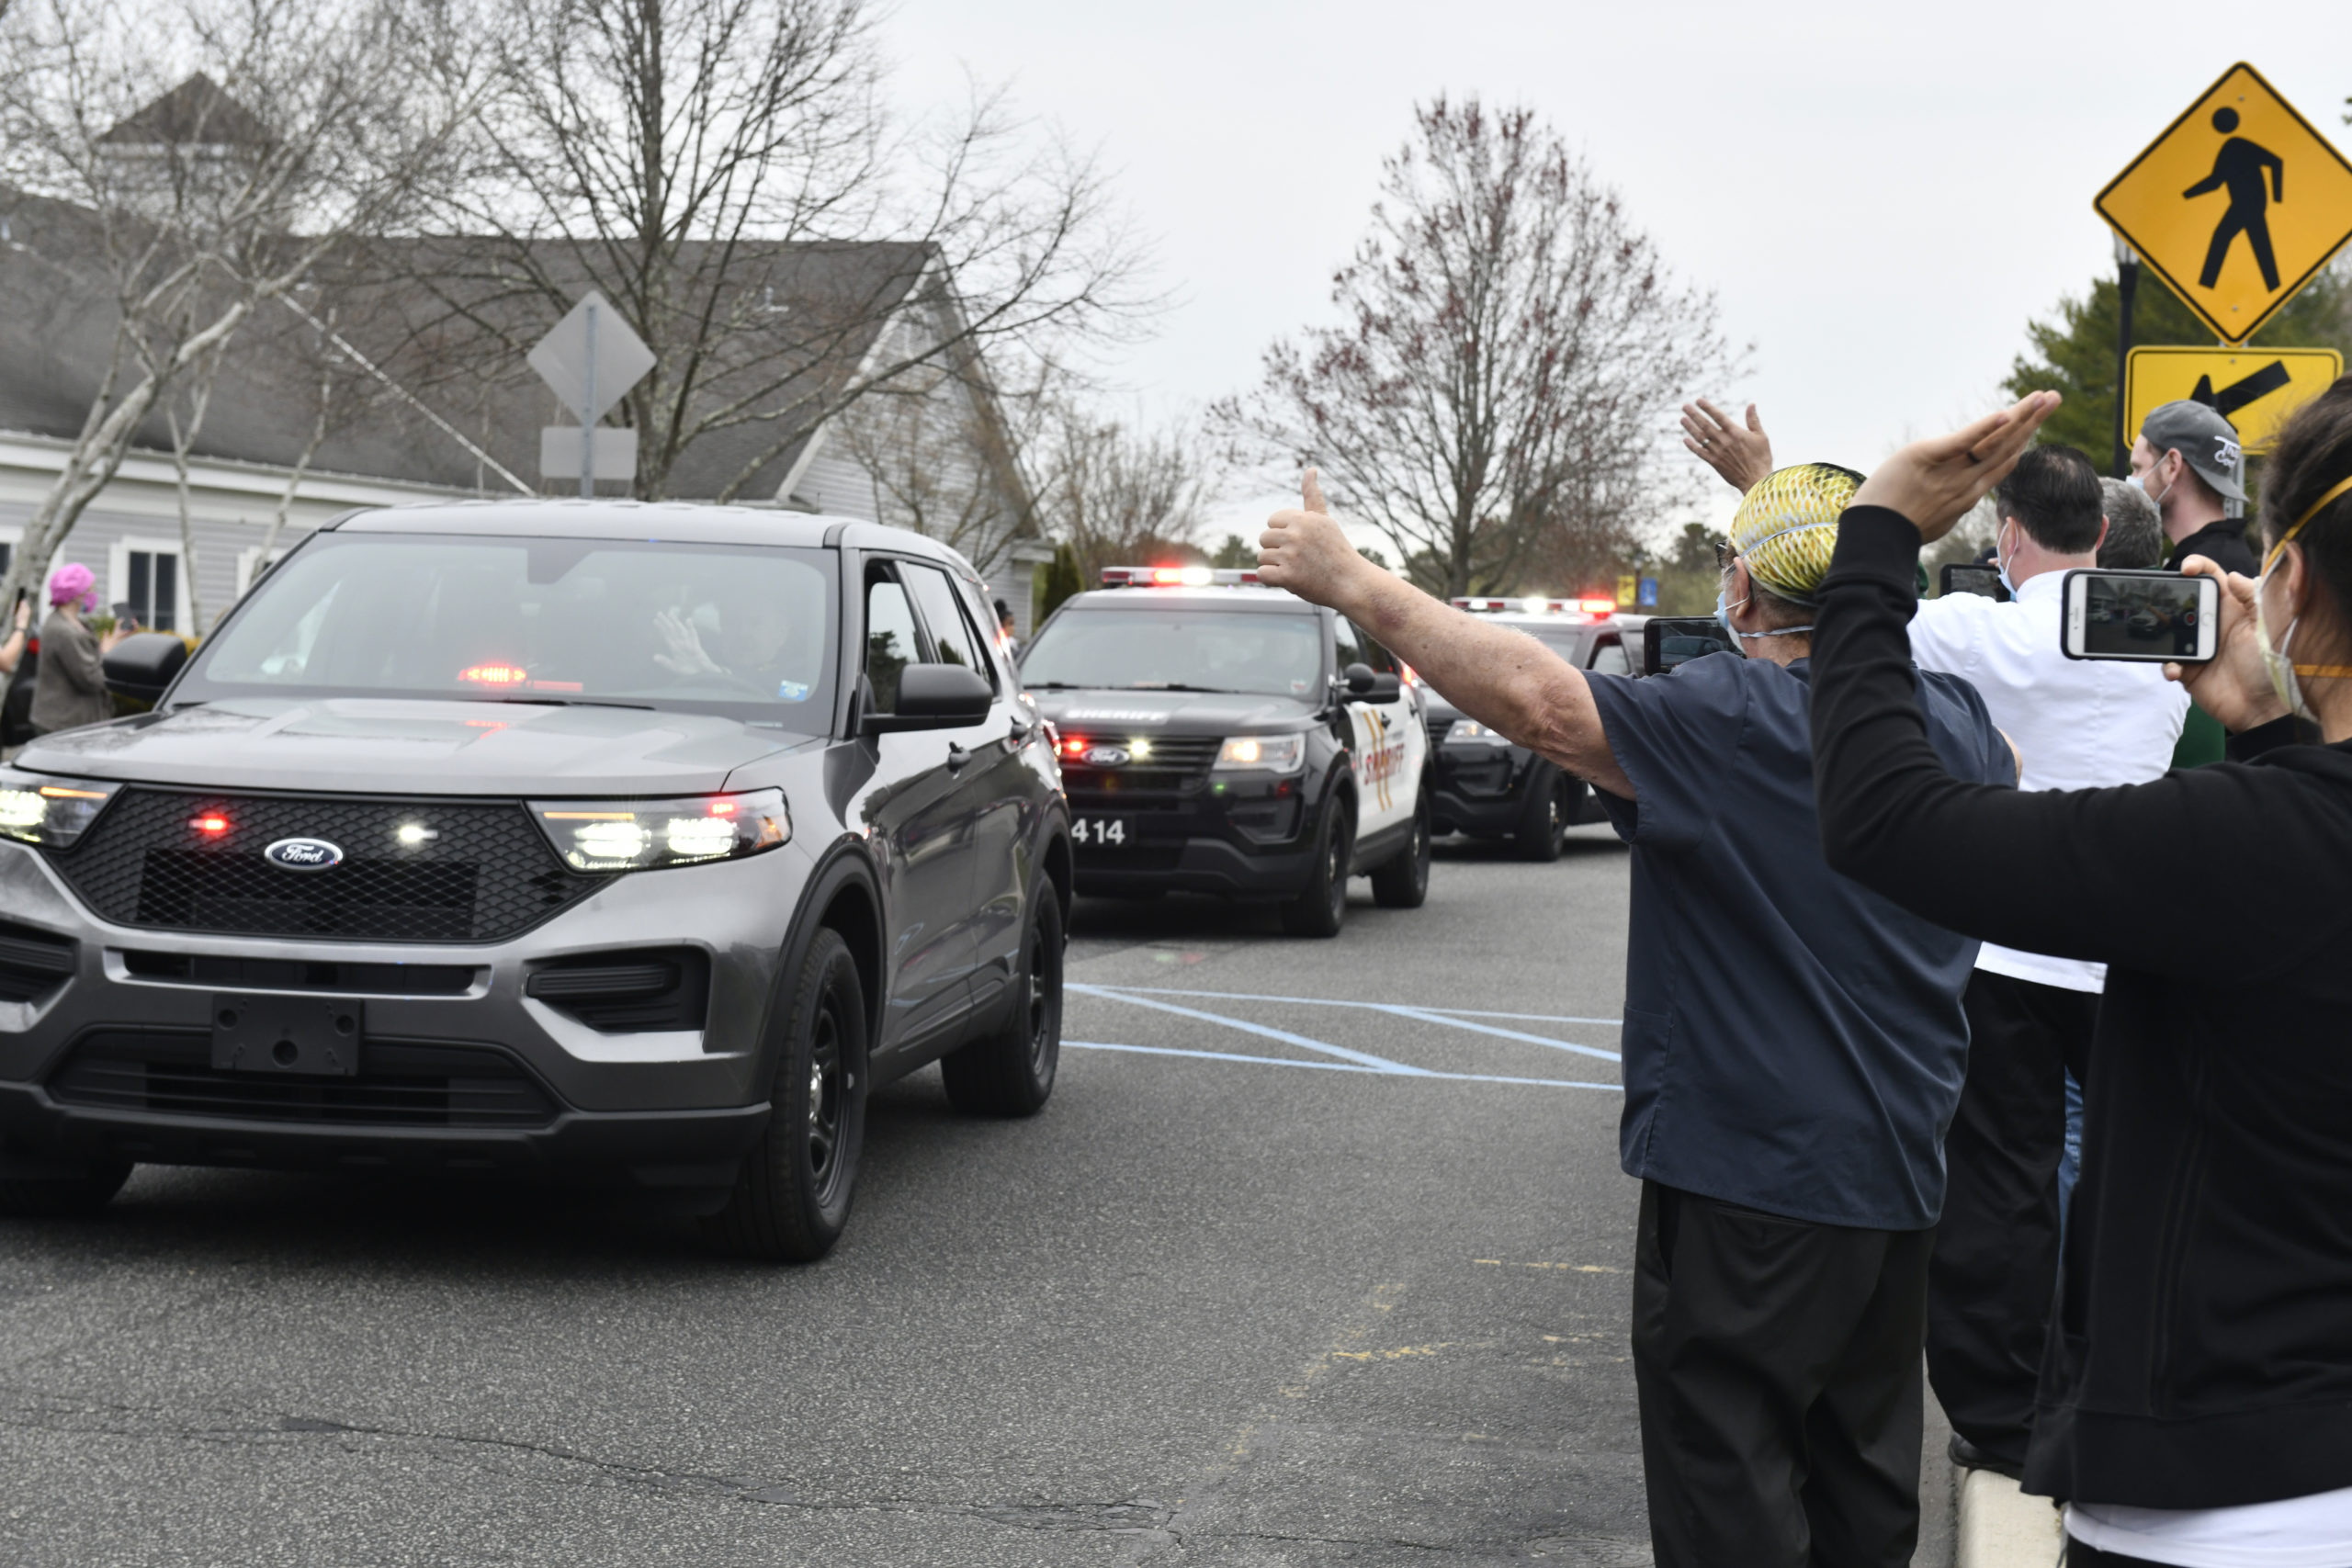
[2141,481]
[2275,661]
[2001,563]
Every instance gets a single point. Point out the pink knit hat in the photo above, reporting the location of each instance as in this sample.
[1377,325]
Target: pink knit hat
[73,583]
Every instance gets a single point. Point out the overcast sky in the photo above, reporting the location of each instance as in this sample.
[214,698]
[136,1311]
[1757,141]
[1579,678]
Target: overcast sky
[1881,195]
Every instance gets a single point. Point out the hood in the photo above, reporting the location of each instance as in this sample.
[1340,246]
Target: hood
[369,745]
[1173,712]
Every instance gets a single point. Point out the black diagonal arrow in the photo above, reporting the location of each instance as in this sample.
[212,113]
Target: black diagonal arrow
[2237,395]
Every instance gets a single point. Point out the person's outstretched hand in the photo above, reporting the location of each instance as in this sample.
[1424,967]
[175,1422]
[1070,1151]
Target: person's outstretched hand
[1934,482]
[1743,457]
[2233,685]
[1303,550]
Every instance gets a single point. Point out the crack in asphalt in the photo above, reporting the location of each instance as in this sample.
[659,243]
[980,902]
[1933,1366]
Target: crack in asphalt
[1125,1516]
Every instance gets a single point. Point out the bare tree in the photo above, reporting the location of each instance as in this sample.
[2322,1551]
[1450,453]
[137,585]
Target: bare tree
[1510,346]
[942,454]
[720,170]
[1114,494]
[300,127]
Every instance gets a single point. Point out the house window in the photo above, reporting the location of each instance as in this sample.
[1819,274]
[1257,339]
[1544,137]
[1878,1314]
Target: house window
[153,589]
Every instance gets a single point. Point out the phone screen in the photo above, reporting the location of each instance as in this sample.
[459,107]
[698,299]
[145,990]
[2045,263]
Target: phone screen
[1984,579]
[1669,640]
[2153,615]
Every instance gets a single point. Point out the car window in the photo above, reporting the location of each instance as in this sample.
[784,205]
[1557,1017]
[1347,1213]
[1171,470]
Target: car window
[1610,659]
[743,630]
[1144,645]
[1367,650]
[954,639]
[890,641]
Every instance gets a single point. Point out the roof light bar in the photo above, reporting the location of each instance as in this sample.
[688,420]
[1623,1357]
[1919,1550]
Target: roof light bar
[1179,577]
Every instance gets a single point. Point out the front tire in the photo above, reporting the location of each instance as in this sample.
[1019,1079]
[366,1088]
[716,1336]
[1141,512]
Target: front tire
[1321,905]
[791,1199]
[1404,882]
[1542,831]
[1009,1070]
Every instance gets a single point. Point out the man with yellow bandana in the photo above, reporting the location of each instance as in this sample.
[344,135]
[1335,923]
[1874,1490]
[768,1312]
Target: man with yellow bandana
[1793,1044]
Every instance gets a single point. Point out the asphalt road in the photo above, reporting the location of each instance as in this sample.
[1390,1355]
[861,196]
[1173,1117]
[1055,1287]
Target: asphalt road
[1314,1258]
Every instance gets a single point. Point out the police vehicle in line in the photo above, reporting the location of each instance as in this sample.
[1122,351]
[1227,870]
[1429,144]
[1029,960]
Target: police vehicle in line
[628,844]
[1489,789]
[1220,737]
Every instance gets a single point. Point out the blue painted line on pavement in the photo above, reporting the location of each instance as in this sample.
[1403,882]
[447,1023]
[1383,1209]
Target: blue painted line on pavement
[1451,1017]
[1334,1066]
[1374,1007]
[1362,1058]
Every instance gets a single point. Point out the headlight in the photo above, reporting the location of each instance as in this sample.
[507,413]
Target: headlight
[1263,754]
[641,835]
[1470,730]
[51,812]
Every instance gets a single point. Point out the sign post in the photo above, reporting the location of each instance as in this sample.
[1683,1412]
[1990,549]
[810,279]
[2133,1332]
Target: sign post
[2238,204]
[590,360]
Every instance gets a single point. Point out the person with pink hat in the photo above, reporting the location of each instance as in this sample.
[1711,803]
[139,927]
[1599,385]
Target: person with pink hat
[71,688]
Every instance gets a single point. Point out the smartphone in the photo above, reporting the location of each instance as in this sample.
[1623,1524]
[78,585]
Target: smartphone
[1669,640]
[2154,617]
[1984,579]
[126,614]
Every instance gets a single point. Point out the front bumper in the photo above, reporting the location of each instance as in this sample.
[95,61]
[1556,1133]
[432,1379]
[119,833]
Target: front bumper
[663,1107]
[1248,837]
[1479,789]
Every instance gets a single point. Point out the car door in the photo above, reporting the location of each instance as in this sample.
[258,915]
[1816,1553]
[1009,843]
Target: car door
[915,816]
[993,787]
[1391,746]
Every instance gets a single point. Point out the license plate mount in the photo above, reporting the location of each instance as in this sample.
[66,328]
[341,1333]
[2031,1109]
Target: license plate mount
[315,1037]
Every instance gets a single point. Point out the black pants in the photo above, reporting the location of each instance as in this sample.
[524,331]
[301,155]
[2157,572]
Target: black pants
[2081,1556]
[1777,1365]
[1995,1266]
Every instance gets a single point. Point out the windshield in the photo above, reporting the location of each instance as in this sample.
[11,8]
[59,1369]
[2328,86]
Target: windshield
[1174,646]
[736,629]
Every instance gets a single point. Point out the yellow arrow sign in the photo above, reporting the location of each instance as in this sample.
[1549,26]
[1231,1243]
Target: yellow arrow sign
[2253,388]
[2236,206]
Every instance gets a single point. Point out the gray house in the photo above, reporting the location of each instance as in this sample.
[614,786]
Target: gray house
[400,378]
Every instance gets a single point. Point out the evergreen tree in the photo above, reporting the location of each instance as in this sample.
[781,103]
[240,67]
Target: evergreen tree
[1061,581]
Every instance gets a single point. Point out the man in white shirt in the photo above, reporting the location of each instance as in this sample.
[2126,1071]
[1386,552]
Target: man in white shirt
[2076,724]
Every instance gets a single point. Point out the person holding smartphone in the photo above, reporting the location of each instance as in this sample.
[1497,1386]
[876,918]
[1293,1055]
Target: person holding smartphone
[2195,1403]
[12,647]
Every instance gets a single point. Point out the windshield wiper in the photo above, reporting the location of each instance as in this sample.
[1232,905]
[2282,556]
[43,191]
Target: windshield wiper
[1053,685]
[570,702]
[1178,686]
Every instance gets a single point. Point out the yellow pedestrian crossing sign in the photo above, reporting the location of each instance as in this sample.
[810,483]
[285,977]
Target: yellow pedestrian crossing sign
[2237,205]
[2253,388]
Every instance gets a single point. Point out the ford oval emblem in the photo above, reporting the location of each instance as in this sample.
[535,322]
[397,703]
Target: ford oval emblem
[1106,756]
[303,855]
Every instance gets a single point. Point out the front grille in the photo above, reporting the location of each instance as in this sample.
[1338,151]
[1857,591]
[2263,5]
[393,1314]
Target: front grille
[1167,762]
[302,973]
[1144,857]
[484,873]
[399,1084]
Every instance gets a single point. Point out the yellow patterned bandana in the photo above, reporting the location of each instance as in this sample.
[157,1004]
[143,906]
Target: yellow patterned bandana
[1787,527]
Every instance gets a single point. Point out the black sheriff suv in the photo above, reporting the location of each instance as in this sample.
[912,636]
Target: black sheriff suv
[1220,737]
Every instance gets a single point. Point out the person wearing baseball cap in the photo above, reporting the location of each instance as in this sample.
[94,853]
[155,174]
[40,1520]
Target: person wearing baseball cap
[1793,1046]
[2188,461]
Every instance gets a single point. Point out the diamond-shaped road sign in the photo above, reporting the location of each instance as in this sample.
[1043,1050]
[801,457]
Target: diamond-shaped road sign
[591,358]
[2236,206]
[2253,388]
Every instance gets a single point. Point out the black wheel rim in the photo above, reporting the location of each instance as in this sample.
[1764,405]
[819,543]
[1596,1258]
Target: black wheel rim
[1559,813]
[1040,1003]
[828,1102]
[1339,868]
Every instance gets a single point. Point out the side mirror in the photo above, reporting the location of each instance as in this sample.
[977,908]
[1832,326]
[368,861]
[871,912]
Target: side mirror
[143,665]
[935,696]
[1371,685]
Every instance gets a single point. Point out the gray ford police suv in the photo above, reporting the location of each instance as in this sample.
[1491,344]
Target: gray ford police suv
[622,843]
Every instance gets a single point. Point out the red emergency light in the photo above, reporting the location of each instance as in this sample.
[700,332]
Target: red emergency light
[211,823]
[494,674]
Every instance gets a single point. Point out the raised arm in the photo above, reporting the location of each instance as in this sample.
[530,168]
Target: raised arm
[1503,679]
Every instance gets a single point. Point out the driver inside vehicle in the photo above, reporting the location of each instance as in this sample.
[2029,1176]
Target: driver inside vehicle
[749,643]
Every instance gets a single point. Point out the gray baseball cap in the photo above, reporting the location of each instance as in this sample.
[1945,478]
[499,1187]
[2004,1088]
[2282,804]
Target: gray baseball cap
[2204,439]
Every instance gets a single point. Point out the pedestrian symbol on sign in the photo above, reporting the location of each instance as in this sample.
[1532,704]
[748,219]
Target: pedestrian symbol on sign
[2238,168]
